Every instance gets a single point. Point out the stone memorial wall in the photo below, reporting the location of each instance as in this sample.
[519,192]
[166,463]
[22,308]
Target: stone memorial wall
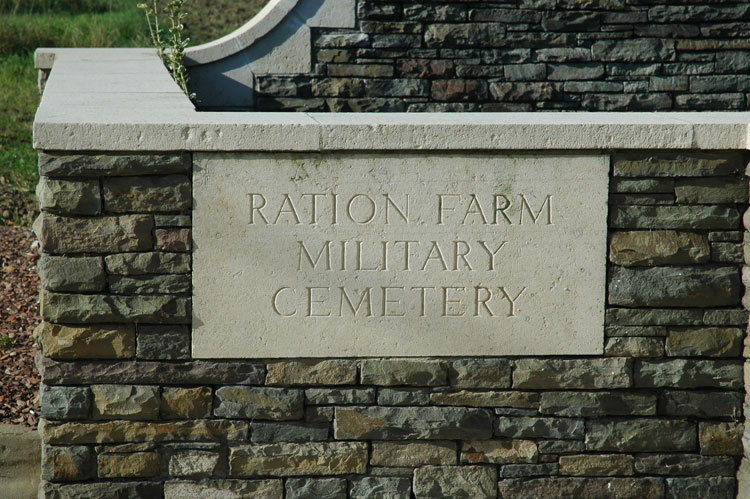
[565,315]
[469,56]
[129,410]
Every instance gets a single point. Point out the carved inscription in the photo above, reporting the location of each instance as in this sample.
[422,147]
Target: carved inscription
[360,256]
[398,255]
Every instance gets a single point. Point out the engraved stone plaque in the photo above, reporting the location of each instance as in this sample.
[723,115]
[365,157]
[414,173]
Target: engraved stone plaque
[398,254]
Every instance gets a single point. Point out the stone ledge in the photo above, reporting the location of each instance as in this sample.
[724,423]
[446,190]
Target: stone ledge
[146,111]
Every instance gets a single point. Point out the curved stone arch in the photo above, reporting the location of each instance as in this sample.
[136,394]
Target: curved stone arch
[275,41]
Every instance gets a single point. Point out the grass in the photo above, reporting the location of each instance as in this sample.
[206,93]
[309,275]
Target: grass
[28,24]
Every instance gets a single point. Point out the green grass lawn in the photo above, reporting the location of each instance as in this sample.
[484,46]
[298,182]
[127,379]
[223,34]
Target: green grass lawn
[28,24]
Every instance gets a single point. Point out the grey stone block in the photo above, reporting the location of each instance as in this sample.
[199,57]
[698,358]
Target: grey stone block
[548,428]
[641,435]
[69,197]
[705,405]
[143,372]
[65,402]
[73,165]
[685,465]
[72,274]
[258,403]
[686,374]
[165,284]
[163,342]
[156,262]
[322,488]
[402,423]
[674,286]
[288,432]
[380,488]
[597,404]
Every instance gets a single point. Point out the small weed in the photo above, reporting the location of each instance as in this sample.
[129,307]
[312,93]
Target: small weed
[6,342]
[170,45]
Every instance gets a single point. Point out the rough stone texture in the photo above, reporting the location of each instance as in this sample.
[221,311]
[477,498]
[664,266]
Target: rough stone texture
[401,423]
[172,239]
[659,247]
[86,309]
[65,402]
[697,488]
[720,438]
[147,263]
[185,373]
[674,423]
[641,435]
[692,164]
[150,285]
[93,342]
[499,452]
[674,286]
[310,458]
[125,402]
[685,373]
[136,431]
[711,190]
[326,372]
[694,217]
[94,235]
[147,194]
[597,404]
[339,396]
[133,465]
[571,373]
[519,400]
[470,482]
[82,274]
[412,454]
[323,488]
[480,373]
[705,342]
[634,347]
[393,372]
[529,427]
[562,488]
[193,464]
[380,488]
[404,397]
[74,165]
[185,403]
[70,197]
[701,404]
[102,489]
[596,465]
[258,403]
[230,489]
[680,464]
[163,342]
[289,432]
[63,464]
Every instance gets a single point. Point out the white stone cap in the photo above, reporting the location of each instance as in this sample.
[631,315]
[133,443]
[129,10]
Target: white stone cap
[125,100]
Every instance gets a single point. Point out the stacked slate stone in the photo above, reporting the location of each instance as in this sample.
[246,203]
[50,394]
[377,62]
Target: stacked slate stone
[525,55]
[128,413]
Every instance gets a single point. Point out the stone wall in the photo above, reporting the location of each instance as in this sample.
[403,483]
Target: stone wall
[523,55]
[127,412]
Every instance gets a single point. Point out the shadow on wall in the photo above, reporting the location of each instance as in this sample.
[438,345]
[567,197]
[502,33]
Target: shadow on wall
[276,40]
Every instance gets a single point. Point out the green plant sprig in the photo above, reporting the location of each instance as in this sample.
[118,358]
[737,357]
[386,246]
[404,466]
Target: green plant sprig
[170,47]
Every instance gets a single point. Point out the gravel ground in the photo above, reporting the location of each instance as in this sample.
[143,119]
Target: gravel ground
[19,315]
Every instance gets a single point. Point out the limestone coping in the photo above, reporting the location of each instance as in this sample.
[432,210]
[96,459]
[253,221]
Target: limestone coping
[125,100]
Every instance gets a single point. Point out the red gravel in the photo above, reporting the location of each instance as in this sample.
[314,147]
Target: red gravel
[19,315]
